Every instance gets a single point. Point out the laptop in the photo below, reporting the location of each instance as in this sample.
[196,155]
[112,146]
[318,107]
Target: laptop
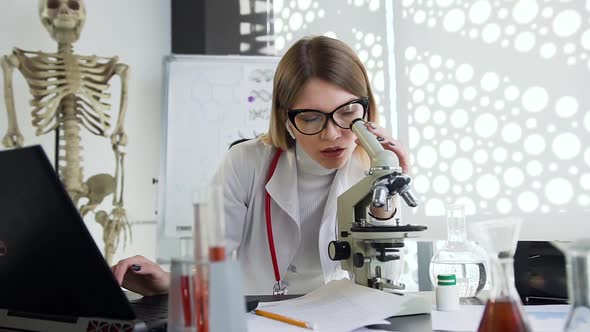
[53,277]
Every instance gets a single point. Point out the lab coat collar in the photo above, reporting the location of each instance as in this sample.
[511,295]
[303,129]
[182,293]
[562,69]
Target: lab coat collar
[282,186]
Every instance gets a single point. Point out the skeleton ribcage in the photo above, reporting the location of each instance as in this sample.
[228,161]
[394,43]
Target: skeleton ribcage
[54,78]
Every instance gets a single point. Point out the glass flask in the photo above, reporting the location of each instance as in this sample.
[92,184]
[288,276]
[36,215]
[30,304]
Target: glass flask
[578,283]
[460,257]
[503,310]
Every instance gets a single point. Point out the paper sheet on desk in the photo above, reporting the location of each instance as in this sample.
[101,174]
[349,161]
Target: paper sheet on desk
[339,306]
[543,318]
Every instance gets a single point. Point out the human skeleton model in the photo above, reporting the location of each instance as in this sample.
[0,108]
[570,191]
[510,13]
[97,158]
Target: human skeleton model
[69,92]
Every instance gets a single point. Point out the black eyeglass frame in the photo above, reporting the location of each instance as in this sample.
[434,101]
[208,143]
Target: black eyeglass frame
[363,101]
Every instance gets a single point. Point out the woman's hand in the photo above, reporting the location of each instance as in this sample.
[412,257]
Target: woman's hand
[142,276]
[390,144]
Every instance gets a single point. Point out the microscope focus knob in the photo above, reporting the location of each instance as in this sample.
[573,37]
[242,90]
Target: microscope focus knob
[338,250]
[358,260]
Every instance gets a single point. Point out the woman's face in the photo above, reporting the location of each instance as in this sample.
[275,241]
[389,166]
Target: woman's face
[333,146]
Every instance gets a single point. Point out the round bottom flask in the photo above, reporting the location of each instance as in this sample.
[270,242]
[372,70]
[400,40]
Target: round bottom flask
[460,257]
[462,260]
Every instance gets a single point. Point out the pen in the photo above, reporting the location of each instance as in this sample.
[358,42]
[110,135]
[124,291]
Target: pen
[285,319]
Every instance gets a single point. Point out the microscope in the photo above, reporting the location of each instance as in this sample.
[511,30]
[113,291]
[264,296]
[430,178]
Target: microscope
[367,246]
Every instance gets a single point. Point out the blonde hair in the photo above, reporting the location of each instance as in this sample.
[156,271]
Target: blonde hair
[320,57]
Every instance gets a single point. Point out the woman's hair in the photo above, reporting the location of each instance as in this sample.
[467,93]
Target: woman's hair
[320,57]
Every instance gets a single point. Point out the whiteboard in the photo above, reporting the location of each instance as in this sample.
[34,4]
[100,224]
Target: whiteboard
[210,102]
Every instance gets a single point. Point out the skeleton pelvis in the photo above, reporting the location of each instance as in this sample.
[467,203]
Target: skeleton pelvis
[99,187]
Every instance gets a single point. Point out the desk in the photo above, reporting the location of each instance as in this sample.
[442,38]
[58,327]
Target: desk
[542,318]
[413,323]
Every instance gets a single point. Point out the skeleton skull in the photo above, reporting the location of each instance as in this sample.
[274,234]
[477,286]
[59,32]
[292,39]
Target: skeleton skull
[63,19]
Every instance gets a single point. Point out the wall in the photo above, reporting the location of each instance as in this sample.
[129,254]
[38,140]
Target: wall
[362,24]
[494,100]
[138,31]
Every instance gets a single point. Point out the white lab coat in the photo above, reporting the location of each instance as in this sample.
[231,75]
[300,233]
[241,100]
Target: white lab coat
[243,174]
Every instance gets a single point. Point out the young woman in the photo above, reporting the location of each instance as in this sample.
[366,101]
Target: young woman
[320,86]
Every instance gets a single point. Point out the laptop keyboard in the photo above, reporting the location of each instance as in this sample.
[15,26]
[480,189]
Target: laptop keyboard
[151,309]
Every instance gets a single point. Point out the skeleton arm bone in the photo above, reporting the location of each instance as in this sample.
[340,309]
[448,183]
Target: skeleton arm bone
[118,140]
[119,137]
[13,137]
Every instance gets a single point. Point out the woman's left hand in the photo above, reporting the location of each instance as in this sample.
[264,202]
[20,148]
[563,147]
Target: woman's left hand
[391,144]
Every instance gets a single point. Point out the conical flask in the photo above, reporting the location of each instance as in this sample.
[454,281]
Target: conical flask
[577,254]
[503,311]
[459,256]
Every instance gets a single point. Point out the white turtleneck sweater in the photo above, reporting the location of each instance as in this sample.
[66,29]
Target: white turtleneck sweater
[313,186]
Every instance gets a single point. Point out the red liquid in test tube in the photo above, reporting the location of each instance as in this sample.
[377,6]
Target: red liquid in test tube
[216,254]
[202,299]
[186,300]
[201,276]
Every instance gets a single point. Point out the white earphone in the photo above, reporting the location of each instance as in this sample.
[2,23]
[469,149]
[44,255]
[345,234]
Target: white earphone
[289,130]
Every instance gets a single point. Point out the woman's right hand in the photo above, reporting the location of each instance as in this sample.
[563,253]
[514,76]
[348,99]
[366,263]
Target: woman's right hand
[140,275]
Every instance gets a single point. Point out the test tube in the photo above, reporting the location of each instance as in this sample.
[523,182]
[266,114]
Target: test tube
[201,276]
[200,231]
[181,313]
[216,224]
[186,279]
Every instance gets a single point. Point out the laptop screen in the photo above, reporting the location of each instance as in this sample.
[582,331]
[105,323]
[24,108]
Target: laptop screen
[49,263]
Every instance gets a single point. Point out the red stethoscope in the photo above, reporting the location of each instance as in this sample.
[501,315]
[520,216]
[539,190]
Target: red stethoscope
[278,288]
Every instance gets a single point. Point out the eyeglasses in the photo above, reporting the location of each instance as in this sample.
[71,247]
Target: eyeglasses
[311,122]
